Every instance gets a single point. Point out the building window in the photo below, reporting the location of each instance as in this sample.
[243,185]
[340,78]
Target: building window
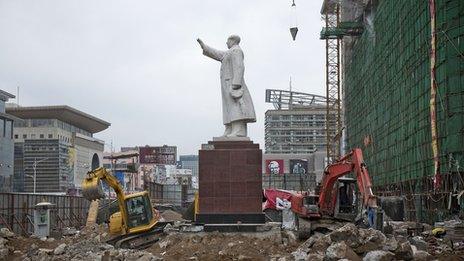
[42,136]
[24,136]
[32,136]
[42,122]
[9,129]
[50,136]
[2,128]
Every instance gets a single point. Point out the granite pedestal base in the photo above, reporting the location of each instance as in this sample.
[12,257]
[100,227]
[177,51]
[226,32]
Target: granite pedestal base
[230,183]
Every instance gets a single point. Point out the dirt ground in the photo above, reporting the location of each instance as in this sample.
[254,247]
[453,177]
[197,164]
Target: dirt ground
[225,246]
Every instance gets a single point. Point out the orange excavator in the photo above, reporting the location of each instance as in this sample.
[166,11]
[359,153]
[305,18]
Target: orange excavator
[336,196]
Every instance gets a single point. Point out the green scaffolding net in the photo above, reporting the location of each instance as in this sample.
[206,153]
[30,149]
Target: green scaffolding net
[387,93]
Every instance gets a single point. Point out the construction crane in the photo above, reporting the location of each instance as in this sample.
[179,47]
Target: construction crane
[332,33]
[331,15]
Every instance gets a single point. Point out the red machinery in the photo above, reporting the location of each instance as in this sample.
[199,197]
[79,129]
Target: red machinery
[352,162]
[335,201]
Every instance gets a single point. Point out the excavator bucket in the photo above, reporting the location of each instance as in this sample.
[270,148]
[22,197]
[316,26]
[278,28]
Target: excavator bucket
[92,188]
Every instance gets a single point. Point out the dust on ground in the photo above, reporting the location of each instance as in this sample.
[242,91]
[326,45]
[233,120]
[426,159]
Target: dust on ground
[225,246]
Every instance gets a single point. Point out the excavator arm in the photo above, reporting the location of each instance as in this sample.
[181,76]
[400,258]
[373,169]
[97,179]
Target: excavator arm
[92,189]
[352,162]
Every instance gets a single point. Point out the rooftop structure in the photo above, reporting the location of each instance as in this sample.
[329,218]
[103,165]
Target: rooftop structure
[283,99]
[63,113]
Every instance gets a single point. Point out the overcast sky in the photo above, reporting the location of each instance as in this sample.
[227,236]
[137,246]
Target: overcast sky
[137,65]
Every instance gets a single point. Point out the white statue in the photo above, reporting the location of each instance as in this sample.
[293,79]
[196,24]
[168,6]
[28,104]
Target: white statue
[237,106]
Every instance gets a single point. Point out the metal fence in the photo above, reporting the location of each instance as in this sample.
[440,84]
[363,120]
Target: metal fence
[300,182]
[17,209]
[177,195]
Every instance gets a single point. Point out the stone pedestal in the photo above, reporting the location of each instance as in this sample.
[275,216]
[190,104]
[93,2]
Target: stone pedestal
[230,183]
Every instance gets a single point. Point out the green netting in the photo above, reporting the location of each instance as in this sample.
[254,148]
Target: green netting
[387,90]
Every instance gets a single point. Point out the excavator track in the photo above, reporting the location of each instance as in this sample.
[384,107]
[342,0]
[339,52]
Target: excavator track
[138,241]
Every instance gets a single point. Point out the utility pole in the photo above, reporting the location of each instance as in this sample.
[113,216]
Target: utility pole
[34,167]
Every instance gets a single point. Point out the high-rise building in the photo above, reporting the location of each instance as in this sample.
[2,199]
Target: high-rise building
[297,125]
[404,98]
[189,162]
[6,144]
[54,148]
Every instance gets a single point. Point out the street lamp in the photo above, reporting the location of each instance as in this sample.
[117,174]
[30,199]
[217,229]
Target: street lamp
[34,166]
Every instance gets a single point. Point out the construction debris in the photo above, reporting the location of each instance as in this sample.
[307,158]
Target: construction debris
[353,243]
[171,216]
[346,241]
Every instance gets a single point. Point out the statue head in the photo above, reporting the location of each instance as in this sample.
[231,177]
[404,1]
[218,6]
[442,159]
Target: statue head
[233,40]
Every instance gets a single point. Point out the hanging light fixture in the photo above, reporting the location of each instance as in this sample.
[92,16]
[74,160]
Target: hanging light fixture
[293,24]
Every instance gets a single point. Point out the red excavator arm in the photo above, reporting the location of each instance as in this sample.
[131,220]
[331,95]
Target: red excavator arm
[352,162]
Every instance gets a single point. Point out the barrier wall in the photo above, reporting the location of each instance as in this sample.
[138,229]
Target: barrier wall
[16,211]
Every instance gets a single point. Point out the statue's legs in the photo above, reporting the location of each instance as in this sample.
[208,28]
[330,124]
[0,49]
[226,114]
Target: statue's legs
[228,130]
[239,129]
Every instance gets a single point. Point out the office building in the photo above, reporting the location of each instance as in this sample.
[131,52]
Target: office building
[55,148]
[189,162]
[6,144]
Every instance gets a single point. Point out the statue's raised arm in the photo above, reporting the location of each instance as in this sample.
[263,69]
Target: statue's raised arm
[211,52]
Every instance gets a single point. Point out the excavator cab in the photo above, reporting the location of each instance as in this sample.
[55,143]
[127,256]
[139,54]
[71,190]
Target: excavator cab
[346,203]
[139,210]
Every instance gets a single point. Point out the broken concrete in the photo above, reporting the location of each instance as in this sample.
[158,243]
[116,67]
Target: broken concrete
[419,242]
[339,251]
[379,255]
[6,233]
[60,249]
[345,242]
[404,251]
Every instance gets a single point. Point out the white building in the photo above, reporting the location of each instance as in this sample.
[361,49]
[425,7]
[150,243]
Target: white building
[59,141]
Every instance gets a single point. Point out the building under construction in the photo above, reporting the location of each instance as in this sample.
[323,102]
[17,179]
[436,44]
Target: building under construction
[402,76]
[297,125]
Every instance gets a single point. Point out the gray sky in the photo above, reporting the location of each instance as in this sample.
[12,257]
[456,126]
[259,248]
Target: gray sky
[137,64]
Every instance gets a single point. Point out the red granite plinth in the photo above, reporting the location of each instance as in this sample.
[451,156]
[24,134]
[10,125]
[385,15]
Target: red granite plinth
[230,182]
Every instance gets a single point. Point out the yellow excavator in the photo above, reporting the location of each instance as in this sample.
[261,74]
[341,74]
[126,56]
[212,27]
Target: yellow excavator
[136,225]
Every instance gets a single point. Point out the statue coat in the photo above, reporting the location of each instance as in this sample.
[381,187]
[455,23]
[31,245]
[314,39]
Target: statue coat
[232,70]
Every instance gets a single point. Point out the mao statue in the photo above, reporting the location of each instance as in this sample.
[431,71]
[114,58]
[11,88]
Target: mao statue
[237,106]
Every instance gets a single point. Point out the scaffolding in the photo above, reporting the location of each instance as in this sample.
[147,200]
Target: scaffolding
[388,100]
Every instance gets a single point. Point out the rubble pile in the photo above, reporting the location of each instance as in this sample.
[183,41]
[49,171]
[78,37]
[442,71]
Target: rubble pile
[83,245]
[5,236]
[353,243]
[91,249]
[187,242]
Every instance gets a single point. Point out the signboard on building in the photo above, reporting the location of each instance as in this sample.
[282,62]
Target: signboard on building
[274,166]
[298,166]
[166,155]
[119,175]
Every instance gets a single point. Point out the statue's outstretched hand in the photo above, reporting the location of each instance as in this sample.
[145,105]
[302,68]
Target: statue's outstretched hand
[202,44]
